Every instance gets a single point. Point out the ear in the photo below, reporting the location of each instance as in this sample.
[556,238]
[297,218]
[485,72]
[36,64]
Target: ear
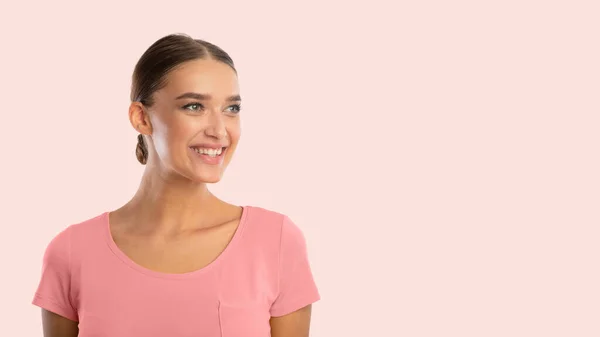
[138,117]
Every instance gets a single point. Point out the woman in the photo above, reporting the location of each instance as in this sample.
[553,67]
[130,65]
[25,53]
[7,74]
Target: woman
[176,260]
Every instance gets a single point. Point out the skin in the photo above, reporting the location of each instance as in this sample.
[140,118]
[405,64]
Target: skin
[176,217]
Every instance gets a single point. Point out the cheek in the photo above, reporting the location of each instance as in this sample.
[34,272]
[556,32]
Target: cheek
[171,136]
[180,135]
[234,131]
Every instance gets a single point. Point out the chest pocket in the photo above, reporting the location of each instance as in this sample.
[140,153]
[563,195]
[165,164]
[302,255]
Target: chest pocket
[243,320]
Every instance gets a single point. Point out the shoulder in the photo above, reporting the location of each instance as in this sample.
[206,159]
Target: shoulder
[88,228]
[273,226]
[62,244]
[269,220]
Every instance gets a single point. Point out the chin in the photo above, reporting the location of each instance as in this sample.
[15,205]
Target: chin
[206,178]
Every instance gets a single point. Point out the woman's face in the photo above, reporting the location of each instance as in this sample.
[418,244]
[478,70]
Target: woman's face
[194,121]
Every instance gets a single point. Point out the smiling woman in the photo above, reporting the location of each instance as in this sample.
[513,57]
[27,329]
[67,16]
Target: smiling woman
[176,260]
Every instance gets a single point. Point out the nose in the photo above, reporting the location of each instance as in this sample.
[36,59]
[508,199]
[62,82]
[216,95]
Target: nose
[216,126]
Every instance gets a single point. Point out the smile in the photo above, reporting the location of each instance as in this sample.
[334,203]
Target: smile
[209,152]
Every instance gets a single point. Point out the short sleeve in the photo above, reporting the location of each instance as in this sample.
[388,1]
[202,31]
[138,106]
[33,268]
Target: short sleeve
[55,285]
[297,287]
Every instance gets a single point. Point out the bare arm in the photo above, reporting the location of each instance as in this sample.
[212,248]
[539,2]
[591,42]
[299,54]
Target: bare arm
[58,326]
[295,324]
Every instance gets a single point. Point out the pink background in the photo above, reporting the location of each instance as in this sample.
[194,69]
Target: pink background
[442,158]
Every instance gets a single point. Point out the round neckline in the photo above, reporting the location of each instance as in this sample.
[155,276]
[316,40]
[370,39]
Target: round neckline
[195,273]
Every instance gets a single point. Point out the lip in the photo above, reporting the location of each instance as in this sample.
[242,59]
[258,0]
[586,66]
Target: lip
[208,159]
[209,146]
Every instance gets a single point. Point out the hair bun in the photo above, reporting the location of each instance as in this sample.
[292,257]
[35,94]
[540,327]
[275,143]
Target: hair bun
[141,151]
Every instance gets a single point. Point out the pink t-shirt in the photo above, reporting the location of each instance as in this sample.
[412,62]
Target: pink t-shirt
[263,272]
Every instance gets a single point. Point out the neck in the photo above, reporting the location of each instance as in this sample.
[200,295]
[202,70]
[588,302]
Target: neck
[170,203]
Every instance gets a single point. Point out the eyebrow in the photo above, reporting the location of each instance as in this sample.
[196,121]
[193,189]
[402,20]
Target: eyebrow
[198,96]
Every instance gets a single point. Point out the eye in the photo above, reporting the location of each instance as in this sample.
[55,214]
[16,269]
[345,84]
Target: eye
[234,108]
[193,106]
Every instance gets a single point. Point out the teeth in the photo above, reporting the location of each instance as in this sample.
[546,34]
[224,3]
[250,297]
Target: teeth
[209,152]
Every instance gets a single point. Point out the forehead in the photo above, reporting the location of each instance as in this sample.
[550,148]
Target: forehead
[202,76]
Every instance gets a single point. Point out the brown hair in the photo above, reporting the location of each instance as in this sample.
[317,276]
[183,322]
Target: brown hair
[158,60]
